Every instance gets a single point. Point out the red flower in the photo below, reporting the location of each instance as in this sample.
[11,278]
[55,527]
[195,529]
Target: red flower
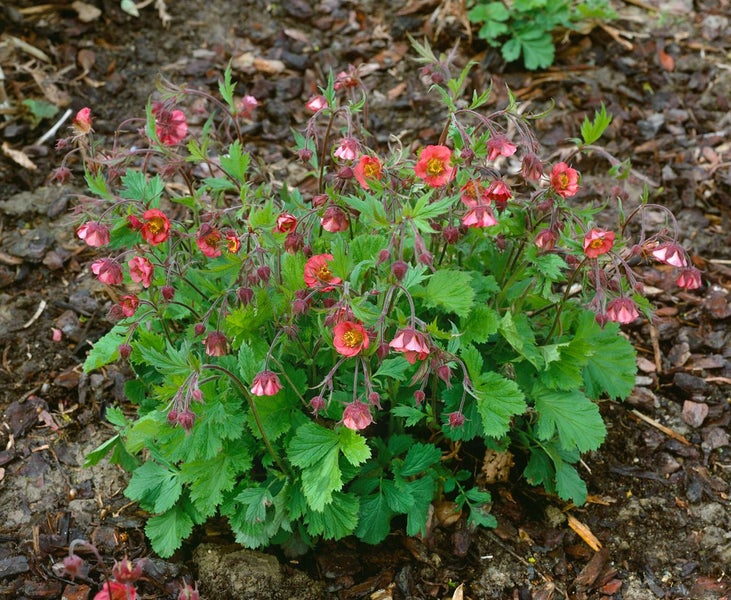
[82,121]
[564,180]
[546,239]
[499,192]
[170,125]
[479,216]
[368,167]
[357,415]
[334,219]
[286,222]
[94,234]
[141,270]
[107,271]
[216,344]
[670,254]
[350,338]
[474,193]
[209,240]
[499,145]
[412,343]
[233,244]
[156,228]
[347,150]
[689,278]
[622,310]
[433,166]
[598,242]
[317,272]
[126,572]
[129,304]
[265,383]
[113,590]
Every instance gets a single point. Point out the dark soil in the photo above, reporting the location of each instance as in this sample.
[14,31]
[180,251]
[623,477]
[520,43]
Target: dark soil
[659,504]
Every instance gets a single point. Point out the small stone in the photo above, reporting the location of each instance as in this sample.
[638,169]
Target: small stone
[690,383]
[694,413]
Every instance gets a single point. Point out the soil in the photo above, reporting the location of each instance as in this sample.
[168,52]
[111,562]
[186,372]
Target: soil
[657,524]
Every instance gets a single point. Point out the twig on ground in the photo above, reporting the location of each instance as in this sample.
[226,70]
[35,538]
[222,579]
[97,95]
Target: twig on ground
[52,131]
[666,430]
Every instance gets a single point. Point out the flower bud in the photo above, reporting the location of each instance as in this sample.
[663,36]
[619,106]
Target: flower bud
[167,292]
[173,417]
[264,273]
[125,350]
[451,234]
[319,200]
[199,329]
[246,295]
[305,154]
[374,399]
[445,374]
[299,307]
[419,397]
[293,243]
[384,255]
[73,566]
[317,404]
[399,269]
[186,419]
[456,419]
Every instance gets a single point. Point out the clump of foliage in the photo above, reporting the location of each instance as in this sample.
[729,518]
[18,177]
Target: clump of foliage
[526,27]
[319,364]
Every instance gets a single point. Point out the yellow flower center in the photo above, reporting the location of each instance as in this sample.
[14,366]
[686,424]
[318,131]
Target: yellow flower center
[371,170]
[323,273]
[352,338]
[563,179]
[434,167]
[597,243]
[156,224]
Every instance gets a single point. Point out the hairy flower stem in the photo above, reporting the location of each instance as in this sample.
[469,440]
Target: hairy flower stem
[323,150]
[249,400]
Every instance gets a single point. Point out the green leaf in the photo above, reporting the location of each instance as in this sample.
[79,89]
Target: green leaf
[106,349]
[499,400]
[374,522]
[518,333]
[354,446]
[612,367]
[155,487]
[311,443]
[450,291]
[372,212]
[236,162]
[397,494]
[315,450]
[226,87]
[97,184]
[337,520]
[167,531]
[422,490]
[538,50]
[419,458]
[572,415]
[101,451]
[411,415]
[480,325]
[393,368]
[591,131]
[569,485]
[137,187]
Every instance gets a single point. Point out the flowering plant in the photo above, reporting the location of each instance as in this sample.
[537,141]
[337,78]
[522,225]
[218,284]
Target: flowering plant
[314,362]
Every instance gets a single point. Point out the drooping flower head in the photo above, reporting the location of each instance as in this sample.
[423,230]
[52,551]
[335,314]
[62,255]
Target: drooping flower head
[216,344]
[479,216]
[171,126]
[286,222]
[456,419]
[94,234]
[368,168]
[531,167]
[598,242]
[670,253]
[266,383]
[316,103]
[317,272]
[473,193]
[412,343]
[247,105]
[107,270]
[499,145]
[334,219]
[622,310]
[347,149]
[357,415]
[129,304]
[156,227]
[689,278]
[141,270]
[208,240]
[350,338]
[82,121]
[546,239]
[564,180]
[434,166]
[499,192]
[114,590]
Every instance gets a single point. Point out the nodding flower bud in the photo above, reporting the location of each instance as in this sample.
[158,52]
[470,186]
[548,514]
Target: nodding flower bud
[293,243]
[375,399]
[399,269]
[199,329]
[173,417]
[419,397]
[299,306]
[445,374]
[426,258]
[451,234]
[246,295]
[456,419]
[167,292]
[186,419]
[317,404]
[125,350]
[319,200]
[264,273]
[305,154]
[126,572]
[345,173]
[73,566]
[467,155]
[384,255]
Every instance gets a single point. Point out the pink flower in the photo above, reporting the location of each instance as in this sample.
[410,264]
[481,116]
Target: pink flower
[82,121]
[208,240]
[316,103]
[156,227]
[499,192]
[499,145]
[347,150]
[286,222]
[129,304]
[350,338]
[564,180]
[265,383]
[357,415]
[61,174]
[317,272]
[170,125]
[334,219]
[479,216]
[94,234]
[216,344]
[412,343]
[622,310]
[474,193]
[126,572]
[670,254]
[433,166]
[598,242]
[546,239]
[368,167]
[347,79]
[56,334]
[113,590]
[531,168]
[689,278]
[189,593]
[141,270]
[107,271]
[247,105]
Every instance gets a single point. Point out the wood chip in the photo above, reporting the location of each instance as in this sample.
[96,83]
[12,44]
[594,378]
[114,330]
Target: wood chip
[19,157]
[584,533]
[666,430]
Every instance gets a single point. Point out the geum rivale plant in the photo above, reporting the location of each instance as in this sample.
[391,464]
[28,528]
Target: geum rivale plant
[314,364]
